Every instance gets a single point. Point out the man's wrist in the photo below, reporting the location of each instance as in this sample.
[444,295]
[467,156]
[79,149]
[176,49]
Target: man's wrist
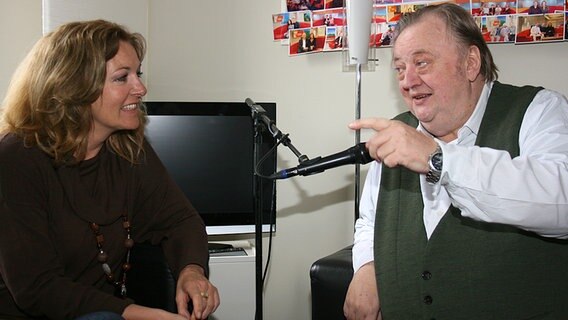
[435,164]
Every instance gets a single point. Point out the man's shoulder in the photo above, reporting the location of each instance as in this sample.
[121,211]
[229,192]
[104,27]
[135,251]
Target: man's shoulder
[506,88]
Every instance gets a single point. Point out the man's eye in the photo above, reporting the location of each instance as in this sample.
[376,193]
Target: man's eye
[421,63]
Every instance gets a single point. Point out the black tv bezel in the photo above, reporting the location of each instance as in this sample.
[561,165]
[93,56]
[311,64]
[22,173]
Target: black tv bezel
[235,222]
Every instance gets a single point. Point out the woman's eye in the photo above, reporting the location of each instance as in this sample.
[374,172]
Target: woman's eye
[139,74]
[121,79]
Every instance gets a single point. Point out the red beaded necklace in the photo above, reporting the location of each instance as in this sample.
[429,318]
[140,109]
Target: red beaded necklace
[102,257]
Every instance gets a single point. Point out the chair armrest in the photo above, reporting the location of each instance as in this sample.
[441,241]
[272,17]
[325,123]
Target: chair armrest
[330,277]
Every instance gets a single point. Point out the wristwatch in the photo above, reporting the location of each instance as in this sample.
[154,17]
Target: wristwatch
[435,162]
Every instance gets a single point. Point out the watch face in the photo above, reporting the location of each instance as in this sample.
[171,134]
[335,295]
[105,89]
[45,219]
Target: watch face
[437,161]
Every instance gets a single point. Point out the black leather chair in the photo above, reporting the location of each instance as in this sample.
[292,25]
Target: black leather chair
[330,277]
[150,282]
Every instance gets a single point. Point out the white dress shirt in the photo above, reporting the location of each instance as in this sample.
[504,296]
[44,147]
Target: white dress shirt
[529,191]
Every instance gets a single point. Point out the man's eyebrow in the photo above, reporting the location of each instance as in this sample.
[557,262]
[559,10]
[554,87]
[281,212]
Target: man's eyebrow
[414,54]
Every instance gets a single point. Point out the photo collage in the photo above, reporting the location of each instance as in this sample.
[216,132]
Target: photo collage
[312,26]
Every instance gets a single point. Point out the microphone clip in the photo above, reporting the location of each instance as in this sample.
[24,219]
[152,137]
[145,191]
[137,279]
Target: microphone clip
[258,113]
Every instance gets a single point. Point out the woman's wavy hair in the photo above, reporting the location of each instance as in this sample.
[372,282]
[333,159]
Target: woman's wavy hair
[48,102]
[461,26]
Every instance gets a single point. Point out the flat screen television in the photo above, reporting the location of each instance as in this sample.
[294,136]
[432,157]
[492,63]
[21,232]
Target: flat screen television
[208,149]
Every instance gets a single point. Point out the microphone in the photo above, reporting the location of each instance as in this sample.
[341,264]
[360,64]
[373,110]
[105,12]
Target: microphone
[353,155]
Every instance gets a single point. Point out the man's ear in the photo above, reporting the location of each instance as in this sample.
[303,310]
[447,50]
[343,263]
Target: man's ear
[473,63]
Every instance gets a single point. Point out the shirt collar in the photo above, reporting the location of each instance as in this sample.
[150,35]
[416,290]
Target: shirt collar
[472,125]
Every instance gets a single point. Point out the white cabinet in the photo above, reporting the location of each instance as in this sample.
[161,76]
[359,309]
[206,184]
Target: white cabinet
[234,277]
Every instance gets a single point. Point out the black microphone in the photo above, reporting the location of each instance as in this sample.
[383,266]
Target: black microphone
[353,155]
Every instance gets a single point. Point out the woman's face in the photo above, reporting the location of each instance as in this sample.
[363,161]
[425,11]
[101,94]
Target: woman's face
[118,107]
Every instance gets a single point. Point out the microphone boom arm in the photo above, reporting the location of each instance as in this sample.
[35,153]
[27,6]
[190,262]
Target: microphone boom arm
[258,112]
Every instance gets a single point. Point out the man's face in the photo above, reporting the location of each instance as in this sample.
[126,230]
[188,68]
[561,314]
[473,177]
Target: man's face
[432,76]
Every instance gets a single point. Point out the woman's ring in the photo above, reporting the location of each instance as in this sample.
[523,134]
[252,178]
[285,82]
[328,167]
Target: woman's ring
[204,295]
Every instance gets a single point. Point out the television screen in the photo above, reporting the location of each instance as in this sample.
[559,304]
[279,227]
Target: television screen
[209,150]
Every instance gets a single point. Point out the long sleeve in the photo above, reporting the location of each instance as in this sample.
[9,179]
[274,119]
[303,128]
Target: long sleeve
[529,191]
[40,266]
[166,217]
[365,224]
[48,260]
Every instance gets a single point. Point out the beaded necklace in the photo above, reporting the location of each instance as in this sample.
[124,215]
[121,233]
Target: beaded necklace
[102,257]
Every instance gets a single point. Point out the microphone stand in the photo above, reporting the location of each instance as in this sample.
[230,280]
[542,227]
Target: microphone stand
[257,195]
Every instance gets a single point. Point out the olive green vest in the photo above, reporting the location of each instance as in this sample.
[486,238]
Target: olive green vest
[467,269]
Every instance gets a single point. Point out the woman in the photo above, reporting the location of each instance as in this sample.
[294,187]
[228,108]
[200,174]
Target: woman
[80,185]
[312,42]
[544,7]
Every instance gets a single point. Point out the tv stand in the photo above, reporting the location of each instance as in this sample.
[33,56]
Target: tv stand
[234,277]
[219,246]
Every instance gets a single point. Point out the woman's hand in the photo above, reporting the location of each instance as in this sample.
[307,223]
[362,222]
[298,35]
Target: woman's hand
[192,285]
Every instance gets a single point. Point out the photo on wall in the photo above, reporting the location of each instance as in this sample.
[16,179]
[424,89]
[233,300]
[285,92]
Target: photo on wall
[501,22]
[300,5]
[383,2]
[539,7]
[307,40]
[286,21]
[498,29]
[329,17]
[566,26]
[333,4]
[335,38]
[384,34]
[540,28]
[493,8]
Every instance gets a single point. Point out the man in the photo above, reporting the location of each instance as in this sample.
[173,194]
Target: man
[338,41]
[505,33]
[470,188]
[303,43]
[535,8]
[293,22]
[387,36]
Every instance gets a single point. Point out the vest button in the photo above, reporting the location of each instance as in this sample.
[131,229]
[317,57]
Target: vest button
[427,300]
[426,275]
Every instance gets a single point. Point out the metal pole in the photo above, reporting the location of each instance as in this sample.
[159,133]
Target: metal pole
[257,189]
[357,139]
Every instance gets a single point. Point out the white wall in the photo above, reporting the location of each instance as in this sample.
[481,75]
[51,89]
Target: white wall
[20,27]
[223,50]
